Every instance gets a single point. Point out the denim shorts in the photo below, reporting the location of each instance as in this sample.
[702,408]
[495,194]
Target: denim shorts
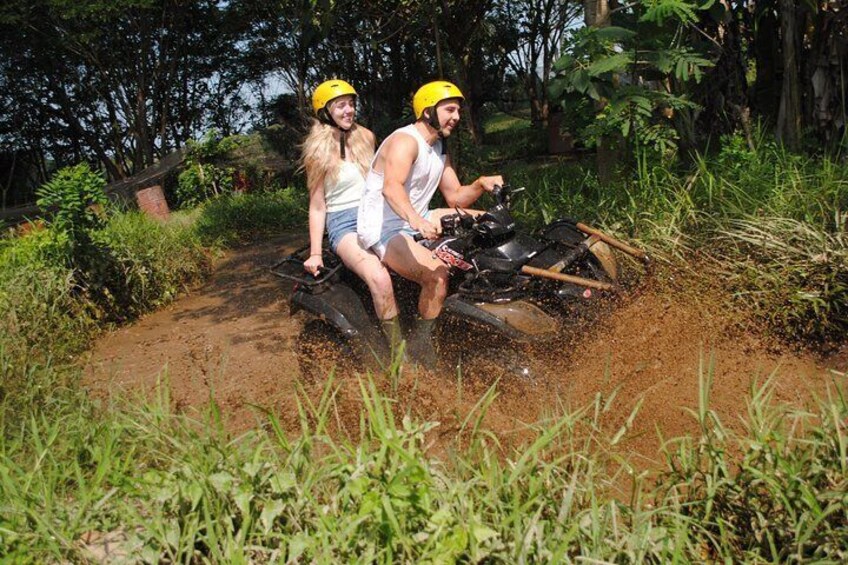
[339,224]
[387,236]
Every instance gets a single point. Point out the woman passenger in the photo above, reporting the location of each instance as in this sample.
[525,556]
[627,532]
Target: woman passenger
[337,153]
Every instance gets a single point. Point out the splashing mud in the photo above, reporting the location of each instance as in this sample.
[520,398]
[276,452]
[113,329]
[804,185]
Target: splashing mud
[233,340]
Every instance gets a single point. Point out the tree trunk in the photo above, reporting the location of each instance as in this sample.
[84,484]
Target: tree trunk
[824,75]
[723,94]
[766,52]
[469,80]
[596,12]
[789,113]
[438,41]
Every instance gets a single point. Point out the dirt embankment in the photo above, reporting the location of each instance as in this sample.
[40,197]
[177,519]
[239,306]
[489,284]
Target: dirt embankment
[233,340]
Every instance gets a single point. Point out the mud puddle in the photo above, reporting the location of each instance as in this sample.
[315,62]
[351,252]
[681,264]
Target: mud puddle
[233,340]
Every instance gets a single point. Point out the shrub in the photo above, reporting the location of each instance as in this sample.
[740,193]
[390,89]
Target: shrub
[203,178]
[41,315]
[146,264]
[239,217]
[200,182]
[48,314]
[76,198]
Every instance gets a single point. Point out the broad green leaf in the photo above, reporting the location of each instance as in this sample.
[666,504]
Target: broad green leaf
[563,63]
[297,545]
[270,512]
[221,482]
[242,500]
[556,88]
[482,533]
[580,81]
[282,482]
[614,33]
[618,63]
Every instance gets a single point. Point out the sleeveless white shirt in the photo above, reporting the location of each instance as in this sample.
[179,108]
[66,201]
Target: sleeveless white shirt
[376,217]
[347,190]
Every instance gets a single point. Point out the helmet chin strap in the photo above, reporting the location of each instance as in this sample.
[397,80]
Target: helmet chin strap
[324,117]
[433,121]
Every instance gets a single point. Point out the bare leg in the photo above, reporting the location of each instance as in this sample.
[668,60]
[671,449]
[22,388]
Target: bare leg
[414,262]
[369,268]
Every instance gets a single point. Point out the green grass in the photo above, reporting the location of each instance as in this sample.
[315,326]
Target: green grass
[501,122]
[177,490]
[235,218]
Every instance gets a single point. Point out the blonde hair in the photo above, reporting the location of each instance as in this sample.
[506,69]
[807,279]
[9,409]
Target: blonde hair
[320,151]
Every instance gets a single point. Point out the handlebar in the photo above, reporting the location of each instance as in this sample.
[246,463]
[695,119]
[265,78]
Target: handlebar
[503,194]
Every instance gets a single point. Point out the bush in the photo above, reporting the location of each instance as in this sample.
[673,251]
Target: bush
[236,218]
[43,320]
[41,315]
[200,182]
[76,198]
[203,178]
[49,312]
[145,264]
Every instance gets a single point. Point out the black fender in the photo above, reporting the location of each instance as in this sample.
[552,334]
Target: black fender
[565,232]
[494,316]
[343,309]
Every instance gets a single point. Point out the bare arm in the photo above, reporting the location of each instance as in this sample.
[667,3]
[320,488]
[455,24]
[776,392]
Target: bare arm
[457,194]
[317,220]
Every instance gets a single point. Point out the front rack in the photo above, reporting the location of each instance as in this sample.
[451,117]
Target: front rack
[291,268]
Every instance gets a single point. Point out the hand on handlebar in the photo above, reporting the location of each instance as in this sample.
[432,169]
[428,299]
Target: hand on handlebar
[489,183]
[314,264]
[427,229]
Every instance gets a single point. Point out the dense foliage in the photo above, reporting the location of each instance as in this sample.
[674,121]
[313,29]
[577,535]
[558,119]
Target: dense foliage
[122,84]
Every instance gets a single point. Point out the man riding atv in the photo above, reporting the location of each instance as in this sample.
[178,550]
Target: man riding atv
[408,168]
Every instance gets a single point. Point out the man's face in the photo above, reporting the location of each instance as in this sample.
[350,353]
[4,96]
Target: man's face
[343,111]
[448,113]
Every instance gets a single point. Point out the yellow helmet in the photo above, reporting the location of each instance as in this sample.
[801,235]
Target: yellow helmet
[329,90]
[432,93]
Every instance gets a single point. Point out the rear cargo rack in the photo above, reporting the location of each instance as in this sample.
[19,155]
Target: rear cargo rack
[291,268]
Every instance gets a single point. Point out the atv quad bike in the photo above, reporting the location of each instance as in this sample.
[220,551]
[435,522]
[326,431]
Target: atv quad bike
[508,290]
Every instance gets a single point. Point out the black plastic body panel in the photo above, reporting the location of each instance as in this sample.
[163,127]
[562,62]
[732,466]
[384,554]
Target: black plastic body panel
[510,256]
[466,310]
[341,307]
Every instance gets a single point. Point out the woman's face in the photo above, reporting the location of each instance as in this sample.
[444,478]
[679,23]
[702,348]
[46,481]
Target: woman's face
[343,111]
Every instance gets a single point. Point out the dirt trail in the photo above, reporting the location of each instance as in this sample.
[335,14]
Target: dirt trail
[233,340]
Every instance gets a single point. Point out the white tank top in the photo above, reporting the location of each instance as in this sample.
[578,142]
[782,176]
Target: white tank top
[347,190]
[375,216]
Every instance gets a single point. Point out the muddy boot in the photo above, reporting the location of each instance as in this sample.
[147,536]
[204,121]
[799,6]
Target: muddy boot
[419,347]
[392,331]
